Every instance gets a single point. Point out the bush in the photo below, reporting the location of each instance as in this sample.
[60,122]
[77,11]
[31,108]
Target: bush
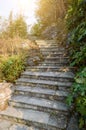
[78,96]
[76,23]
[12,68]
[36,29]
[79,57]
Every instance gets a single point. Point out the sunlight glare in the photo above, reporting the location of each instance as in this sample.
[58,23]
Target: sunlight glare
[25,5]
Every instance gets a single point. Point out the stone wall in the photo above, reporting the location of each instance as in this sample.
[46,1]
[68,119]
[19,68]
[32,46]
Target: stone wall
[5,93]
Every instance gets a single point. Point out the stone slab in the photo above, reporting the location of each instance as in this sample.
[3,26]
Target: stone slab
[50,74]
[45,103]
[5,93]
[42,119]
[32,101]
[27,115]
[45,82]
[50,68]
[9,125]
[42,91]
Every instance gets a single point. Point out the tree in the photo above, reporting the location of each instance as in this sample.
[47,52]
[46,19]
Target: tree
[50,10]
[20,27]
[36,29]
[14,27]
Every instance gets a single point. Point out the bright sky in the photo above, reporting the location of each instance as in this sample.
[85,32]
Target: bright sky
[27,7]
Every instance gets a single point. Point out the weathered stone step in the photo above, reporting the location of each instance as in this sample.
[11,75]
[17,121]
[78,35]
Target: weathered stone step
[55,76]
[48,45]
[34,118]
[55,61]
[59,79]
[49,69]
[57,58]
[39,104]
[52,64]
[41,93]
[46,63]
[58,68]
[53,52]
[60,61]
[46,83]
[10,125]
[52,49]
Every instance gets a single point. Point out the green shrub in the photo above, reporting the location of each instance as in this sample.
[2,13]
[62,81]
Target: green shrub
[78,95]
[79,57]
[76,24]
[12,68]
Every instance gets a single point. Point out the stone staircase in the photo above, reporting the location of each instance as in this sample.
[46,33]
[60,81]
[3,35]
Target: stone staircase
[38,100]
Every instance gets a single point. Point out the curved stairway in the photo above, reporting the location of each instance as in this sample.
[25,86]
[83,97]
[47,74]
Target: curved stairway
[38,100]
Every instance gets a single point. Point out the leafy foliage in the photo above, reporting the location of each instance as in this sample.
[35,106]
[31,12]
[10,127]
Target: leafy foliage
[76,24]
[36,29]
[79,94]
[11,68]
[15,56]
[79,57]
[76,13]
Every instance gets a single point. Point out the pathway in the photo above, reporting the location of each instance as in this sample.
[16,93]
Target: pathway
[38,101]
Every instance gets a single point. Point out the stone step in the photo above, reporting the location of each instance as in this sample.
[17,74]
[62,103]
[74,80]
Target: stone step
[46,63]
[43,83]
[41,93]
[39,77]
[47,43]
[39,104]
[49,46]
[55,61]
[10,125]
[55,76]
[53,54]
[59,68]
[34,118]
[50,68]
[52,49]
[60,61]
[57,58]
[52,64]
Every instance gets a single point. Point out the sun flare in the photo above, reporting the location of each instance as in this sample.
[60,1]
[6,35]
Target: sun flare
[26,4]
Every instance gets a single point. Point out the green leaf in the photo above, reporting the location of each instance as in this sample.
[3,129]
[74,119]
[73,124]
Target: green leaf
[69,100]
